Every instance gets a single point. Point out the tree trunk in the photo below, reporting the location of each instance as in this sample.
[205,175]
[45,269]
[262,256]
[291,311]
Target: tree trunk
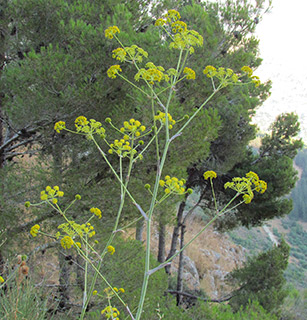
[139,230]
[64,260]
[80,272]
[180,267]
[161,246]
[63,281]
[2,61]
[176,233]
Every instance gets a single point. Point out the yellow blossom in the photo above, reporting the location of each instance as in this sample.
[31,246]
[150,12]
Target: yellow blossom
[96,211]
[210,174]
[113,71]
[59,126]
[172,15]
[160,22]
[67,242]
[210,71]
[111,250]
[190,74]
[247,70]
[119,54]
[111,31]
[34,230]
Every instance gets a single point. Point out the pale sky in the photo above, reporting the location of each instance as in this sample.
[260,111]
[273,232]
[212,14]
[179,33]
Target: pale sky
[283,47]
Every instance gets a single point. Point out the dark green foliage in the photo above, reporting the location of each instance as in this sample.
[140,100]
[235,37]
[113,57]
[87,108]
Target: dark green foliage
[262,279]
[298,194]
[273,164]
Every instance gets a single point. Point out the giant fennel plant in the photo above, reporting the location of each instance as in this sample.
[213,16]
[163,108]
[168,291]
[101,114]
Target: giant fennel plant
[133,141]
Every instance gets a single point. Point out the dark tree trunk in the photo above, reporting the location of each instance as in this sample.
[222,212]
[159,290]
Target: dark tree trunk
[161,248]
[176,233]
[64,260]
[2,61]
[64,281]
[180,266]
[139,230]
[80,272]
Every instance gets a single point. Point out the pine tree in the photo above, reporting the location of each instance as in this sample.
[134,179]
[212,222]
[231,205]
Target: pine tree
[262,279]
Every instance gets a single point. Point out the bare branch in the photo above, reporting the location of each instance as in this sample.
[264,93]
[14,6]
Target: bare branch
[200,298]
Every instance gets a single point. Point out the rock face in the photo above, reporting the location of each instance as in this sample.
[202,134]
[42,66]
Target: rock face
[208,260]
[190,274]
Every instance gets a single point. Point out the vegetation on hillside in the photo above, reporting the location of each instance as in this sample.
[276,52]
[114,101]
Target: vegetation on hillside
[57,75]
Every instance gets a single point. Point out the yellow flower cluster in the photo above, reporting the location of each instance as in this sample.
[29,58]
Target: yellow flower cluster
[109,292]
[190,74]
[119,54]
[60,125]
[173,185]
[136,53]
[121,147]
[35,230]
[179,26]
[160,22]
[51,194]
[113,71]
[111,31]
[172,16]
[122,290]
[90,127]
[111,250]
[152,74]
[133,128]
[72,229]
[249,72]
[227,76]
[161,116]
[187,40]
[260,185]
[1,279]
[210,175]
[67,242]
[183,38]
[96,211]
[110,313]
[246,186]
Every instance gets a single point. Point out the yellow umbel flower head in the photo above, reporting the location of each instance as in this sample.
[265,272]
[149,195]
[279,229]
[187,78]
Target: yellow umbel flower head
[173,185]
[210,174]
[96,211]
[162,117]
[111,31]
[67,242]
[247,185]
[59,126]
[51,194]
[190,74]
[34,230]
[113,71]
[152,74]
[89,127]
[111,250]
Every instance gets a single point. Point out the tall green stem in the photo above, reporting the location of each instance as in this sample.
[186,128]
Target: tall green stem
[160,166]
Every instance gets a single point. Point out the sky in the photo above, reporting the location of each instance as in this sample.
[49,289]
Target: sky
[283,47]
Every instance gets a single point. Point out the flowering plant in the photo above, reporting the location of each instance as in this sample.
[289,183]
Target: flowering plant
[133,141]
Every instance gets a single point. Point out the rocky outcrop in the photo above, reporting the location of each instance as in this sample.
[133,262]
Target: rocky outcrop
[208,260]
